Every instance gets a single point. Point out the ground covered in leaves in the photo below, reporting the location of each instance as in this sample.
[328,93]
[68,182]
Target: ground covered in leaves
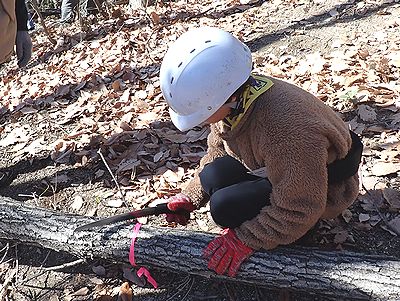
[84,129]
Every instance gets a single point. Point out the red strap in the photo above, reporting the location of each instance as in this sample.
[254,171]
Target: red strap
[142,270]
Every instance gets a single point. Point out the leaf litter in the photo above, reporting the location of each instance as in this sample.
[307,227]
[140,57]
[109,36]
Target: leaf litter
[100,90]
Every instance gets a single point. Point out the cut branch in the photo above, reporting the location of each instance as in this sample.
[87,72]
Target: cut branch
[336,275]
[36,8]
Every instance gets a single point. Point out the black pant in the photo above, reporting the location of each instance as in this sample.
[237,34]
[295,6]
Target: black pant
[235,195]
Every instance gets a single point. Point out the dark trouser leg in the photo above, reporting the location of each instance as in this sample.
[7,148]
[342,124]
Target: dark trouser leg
[235,195]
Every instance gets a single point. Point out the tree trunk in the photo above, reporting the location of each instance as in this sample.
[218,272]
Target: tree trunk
[336,275]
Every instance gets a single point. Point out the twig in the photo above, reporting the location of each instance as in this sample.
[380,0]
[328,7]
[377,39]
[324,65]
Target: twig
[65,265]
[382,216]
[200,14]
[181,286]
[189,289]
[113,177]
[55,268]
[7,281]
[45,259]
[35,6]
[231,293]
[6,248]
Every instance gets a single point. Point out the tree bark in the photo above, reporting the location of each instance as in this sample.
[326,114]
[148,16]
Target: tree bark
[336,275]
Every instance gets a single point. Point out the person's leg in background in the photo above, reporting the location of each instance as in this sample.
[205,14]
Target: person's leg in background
[67,10]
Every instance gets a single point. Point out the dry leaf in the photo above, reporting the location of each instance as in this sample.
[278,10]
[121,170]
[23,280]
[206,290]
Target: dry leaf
[370,202]
[77,203]
[385,168]
[125,292]
[395,225]
[366,113]
[158,156]
[28,110]
[99,270]
[372,182]
[16,135]
[130,274]
[99,173]
[347,215]
[392,196]
[115,203]
[155,18]
[81,292]
[340,237]
[105,298]
[374,220]
[363,217]
[60,179]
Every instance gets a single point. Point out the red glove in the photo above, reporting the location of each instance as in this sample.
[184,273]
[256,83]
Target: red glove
[181,203]
[226,253]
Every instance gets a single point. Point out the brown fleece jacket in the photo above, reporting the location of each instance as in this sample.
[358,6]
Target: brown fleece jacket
[294,136]
[8,29]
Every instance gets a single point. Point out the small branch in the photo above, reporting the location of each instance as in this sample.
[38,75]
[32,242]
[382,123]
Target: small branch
[7,281]
[35,6]
[113,177]
[5,249]
[55,268]
[65,265]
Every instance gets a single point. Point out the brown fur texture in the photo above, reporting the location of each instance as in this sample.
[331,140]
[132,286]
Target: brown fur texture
[294,135]
[8,29]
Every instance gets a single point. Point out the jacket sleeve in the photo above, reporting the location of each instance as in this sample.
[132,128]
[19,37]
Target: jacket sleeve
[298,175]
[215,149]
[22,15]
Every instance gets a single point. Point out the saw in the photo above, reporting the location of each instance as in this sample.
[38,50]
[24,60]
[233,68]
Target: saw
[156,210]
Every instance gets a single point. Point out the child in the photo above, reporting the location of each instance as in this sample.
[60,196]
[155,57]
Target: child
[278,159]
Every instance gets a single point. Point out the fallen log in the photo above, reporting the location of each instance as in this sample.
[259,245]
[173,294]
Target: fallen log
[336,275]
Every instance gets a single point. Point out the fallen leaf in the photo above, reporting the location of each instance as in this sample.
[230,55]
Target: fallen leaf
[374,220]
[99,173]
[105,298]
[81,292]
[395,225]
[340,237]
[60,179]
[28,110]
[130,274]
[363,217]
[155,18]
[392,196]
[203,225]
[158,156]
[116,203]
[125,292]
[16,135]
[347,215]
[99,270]
[372,182]
[385,168]
[96,280]
[366,113]
[370,202]
[77,203]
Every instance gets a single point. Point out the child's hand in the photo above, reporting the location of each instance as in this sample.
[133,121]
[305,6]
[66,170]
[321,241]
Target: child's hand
[226,253]
[180,203]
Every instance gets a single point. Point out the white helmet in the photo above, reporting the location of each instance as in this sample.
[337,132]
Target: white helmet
[200,71]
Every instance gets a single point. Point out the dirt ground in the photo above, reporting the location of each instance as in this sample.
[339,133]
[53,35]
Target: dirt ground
[76,180]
